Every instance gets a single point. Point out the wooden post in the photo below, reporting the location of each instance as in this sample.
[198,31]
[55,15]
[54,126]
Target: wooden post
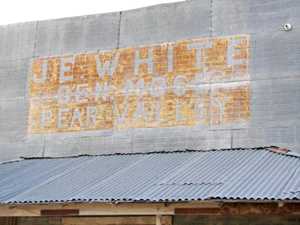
[163,220]
[158,219]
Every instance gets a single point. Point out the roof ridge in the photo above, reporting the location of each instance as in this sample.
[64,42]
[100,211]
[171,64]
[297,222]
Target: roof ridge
[272,149]
[148,153]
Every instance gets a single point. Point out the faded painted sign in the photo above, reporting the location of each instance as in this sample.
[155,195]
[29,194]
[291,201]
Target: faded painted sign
[191,82]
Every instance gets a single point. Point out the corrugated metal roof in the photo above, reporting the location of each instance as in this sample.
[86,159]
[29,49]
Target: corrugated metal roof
[228,174]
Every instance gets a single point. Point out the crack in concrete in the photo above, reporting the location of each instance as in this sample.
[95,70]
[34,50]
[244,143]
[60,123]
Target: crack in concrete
[119,31]
[35,40]
[211,19]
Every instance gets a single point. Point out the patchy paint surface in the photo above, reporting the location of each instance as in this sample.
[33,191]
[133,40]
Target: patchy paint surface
[202,81]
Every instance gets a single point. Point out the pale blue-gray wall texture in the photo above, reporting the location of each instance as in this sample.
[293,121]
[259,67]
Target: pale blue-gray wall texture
[274,70]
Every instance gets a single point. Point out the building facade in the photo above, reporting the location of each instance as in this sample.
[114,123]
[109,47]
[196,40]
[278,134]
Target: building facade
[189,75]
[114,119]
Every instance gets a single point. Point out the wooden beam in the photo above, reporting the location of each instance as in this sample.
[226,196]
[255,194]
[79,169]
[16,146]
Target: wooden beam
[155,209]
[116,220]
[103,209]
[59,212]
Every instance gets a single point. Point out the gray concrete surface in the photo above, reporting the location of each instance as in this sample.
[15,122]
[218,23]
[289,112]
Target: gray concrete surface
[274,74]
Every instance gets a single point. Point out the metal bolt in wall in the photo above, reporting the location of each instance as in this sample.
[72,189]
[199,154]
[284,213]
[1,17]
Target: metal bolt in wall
[287,27]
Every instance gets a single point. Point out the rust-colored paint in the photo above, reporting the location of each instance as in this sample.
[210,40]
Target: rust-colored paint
[202,81]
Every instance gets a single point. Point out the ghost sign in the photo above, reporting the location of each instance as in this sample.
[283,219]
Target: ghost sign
[202,81]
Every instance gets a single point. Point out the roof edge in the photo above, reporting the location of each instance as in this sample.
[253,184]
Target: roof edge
[151,152]
[272,149]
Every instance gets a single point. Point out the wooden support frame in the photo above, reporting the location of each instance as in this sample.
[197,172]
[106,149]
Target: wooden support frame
[102,209]
[159,210]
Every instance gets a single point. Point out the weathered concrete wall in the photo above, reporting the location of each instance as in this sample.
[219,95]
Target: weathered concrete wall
[273,76]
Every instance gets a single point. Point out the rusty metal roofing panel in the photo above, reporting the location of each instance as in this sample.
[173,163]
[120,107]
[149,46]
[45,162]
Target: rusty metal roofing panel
[228,174]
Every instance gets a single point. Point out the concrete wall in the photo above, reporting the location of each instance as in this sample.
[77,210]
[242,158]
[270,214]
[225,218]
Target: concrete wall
[274,71]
